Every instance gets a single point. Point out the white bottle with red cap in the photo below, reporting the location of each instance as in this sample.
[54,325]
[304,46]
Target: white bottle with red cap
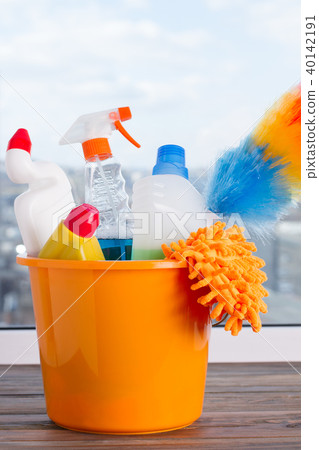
[48,199]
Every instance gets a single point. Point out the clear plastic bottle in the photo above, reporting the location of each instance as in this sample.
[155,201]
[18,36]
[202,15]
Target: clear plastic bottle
[104,183]
[105,189]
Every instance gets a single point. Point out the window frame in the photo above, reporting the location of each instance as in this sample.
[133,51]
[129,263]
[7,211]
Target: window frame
[273,344]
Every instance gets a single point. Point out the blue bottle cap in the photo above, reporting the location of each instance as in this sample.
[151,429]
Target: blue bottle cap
[170,160]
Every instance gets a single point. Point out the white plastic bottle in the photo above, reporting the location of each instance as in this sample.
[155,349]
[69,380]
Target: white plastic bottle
[104,183]
[48,199]
[166,205]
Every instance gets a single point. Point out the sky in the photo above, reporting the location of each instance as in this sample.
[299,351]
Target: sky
[195,73]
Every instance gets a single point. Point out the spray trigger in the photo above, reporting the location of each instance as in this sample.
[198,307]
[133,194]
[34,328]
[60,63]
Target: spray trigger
[123,131]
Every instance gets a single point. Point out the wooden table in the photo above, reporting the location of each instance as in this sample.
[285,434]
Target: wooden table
[246,406]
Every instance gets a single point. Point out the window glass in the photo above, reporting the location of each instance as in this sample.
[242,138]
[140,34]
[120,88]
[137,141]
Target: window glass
[195,73]
[283,266]
[281,254]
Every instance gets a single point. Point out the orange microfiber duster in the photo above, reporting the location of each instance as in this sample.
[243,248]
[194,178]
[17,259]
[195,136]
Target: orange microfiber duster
[222,260]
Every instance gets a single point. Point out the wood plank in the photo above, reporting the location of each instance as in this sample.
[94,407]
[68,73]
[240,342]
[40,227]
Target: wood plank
[133,443]
[34,404]
[228,383]
[210,425]
[246,405]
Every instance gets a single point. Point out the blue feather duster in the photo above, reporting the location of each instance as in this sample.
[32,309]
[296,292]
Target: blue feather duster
[243,182]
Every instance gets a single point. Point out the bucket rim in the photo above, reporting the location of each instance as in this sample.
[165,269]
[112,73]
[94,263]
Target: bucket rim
[99,265]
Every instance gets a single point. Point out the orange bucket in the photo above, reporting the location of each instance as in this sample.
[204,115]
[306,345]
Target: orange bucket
[123,345]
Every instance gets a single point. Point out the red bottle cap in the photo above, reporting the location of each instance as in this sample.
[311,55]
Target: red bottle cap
[83,220]
[21,140]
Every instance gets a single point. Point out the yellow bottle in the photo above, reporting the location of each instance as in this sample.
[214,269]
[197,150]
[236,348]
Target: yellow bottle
[73,238]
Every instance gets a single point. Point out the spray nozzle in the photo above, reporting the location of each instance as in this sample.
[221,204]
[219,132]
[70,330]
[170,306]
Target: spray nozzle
[93,130]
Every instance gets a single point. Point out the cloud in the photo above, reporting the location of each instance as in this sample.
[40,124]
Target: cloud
[191,80]
[278,21]
[136,3]
[160,92]
[212,136]
[191,38]
[275,20]
[102,55]
[218,5]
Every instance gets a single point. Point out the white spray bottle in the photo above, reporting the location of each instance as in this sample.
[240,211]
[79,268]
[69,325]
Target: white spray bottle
[104,183]
[49,198]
